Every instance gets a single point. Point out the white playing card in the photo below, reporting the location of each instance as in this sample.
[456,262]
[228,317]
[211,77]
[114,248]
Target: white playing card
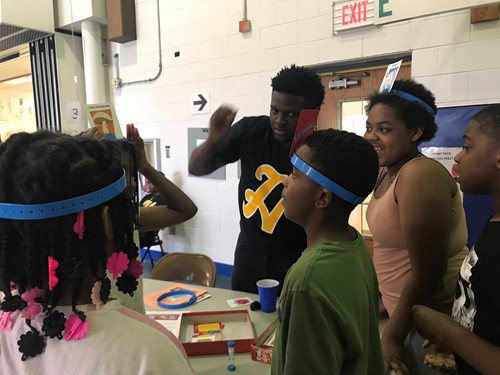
[241,301]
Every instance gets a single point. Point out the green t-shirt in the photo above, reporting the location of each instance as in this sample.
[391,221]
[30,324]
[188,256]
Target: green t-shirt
[328,311]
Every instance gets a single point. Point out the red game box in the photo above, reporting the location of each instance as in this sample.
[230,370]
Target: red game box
[238,327]
[261,352]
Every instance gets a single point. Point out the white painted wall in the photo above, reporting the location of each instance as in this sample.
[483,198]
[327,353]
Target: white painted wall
[460,62]
[71,82]
[36,15]
[74,11]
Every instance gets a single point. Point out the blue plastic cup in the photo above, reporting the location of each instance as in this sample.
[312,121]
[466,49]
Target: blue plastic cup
[268,293]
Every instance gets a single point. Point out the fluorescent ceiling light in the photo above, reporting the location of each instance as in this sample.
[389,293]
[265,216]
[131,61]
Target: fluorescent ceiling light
[18,80]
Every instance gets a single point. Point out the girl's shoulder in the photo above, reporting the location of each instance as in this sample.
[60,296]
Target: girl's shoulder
[425,167]
[425,175]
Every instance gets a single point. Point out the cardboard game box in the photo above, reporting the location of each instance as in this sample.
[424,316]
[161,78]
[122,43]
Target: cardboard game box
[260,351]
[237,327]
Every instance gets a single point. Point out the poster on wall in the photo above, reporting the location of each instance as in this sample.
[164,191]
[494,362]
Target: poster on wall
[103,117]
[445,155]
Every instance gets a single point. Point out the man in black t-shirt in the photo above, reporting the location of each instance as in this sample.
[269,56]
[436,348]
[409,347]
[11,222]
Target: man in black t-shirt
[268,243]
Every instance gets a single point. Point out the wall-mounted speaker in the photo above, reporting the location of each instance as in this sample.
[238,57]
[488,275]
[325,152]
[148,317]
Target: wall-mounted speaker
[121,20]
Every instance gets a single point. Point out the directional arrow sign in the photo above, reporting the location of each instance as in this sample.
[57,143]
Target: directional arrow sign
[200,103]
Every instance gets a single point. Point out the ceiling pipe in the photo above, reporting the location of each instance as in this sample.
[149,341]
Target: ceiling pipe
[117,82]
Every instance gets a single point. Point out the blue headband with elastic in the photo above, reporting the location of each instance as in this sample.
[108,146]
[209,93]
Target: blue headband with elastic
[324,181]
[64,207]
[412,98]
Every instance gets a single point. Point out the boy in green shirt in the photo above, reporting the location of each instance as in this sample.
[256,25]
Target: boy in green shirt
[328,309]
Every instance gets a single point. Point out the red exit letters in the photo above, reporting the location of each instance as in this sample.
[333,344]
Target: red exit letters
[354,12]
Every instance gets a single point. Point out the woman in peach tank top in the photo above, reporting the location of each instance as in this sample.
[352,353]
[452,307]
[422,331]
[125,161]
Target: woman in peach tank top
[416,219]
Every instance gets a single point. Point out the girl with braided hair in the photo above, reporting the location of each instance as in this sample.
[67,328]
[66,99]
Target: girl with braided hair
[66,223]
[177,209]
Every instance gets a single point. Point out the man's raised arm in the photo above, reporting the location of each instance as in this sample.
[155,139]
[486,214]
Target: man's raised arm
[203,160]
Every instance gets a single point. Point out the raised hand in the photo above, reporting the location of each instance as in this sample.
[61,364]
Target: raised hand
[221,121]
[92,133]
[134,138]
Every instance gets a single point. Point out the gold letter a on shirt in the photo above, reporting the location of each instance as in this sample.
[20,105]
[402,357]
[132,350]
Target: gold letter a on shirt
[255,199]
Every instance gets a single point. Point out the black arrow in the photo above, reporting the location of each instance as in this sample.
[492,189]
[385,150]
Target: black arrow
[202,101]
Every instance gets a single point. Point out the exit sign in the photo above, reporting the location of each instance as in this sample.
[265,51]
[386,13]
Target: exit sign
[351,15]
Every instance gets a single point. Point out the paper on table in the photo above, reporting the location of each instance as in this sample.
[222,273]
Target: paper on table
[171,321]
[151,299]
[203,297]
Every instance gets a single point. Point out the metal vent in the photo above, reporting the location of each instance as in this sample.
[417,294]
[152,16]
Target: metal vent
[13,36]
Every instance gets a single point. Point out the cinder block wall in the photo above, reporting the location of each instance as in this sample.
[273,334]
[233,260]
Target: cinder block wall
[460,62]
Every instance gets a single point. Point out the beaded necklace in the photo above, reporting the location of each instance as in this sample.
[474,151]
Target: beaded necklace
[379,180]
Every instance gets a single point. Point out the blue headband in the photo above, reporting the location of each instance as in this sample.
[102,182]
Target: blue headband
[64,207]
[324,181]
[413,98]
[175,293]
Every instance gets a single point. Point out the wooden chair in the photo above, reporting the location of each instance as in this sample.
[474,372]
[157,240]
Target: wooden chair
[191,267]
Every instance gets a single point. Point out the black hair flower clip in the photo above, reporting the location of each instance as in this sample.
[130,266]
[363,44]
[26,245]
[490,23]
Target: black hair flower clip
[131,250]
[53,324]
[127,284]
[105,289]
[135,251]
[13,303]
[31,343]
[71,269]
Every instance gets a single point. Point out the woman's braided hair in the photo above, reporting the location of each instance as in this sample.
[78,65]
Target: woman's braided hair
[44,167]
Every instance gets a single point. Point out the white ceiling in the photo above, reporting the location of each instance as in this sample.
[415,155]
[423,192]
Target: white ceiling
[14,52]
[15,67]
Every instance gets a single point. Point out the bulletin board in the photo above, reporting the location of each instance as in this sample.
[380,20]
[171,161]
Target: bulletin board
[452,122]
